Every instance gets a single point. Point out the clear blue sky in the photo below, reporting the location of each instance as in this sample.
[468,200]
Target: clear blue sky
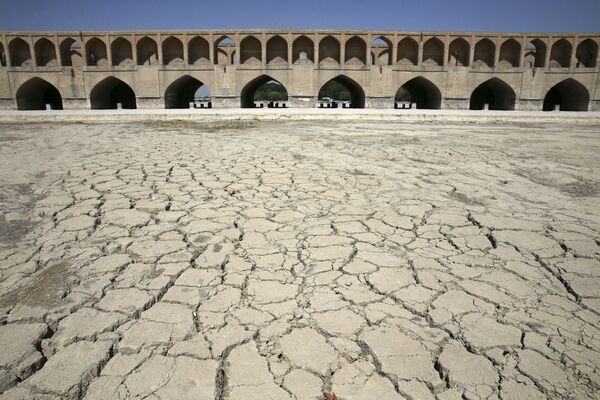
[420,15]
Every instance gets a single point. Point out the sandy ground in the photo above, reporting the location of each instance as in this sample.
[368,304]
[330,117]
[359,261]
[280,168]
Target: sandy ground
[256,260]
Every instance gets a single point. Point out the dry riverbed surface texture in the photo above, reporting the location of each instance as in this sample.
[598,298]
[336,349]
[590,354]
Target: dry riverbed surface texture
[229,261]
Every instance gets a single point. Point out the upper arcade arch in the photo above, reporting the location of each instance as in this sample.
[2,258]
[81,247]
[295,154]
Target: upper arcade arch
[45,53]
[70,53]
[95,52]
[535,54]
[172,50]
[484,53]
[567,95]
[433,52]
[329,50]
[494,93]
[37,94]
[381,50]
[355,51]
[250,50]
[560,54]
[110,92]
[277,50]
[408,51]
[303,50]
[122,53]
[510,53]
[586,54]
[198,51]
[19,52]
[458,53]
[224,51]
[147,51]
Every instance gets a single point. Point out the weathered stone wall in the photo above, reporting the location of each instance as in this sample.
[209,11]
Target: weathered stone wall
[454,64]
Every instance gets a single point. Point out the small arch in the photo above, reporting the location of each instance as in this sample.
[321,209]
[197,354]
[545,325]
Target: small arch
[535,54]
[2,56]
[586,54]
[111,91]
[263,88]
[96,52]
[70,53]
[147,51]
[250,51]
[121,52]
[355,51]
[494,93]
[381,53]
[510,52]
[433,52]
[560,54]
[198,51]
[422,92]
[36,93]
[19,52]
[303,51]
[329,50]
[568,95]
[183,91]
[342,88]
[458,53]
[172,49]
[277,50]
[224,51]
[484,53]
[45,53]
[408,51]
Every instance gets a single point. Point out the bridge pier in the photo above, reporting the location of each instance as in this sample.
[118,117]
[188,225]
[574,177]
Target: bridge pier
[379,102]
[302,101]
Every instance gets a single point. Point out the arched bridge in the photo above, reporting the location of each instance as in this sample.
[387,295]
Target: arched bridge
[164,69]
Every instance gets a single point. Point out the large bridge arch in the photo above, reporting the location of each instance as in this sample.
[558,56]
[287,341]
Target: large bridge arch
[355,91]
[181,92]
[249,91]
[111,91]
[568,95]
[496,93]
[421,91]
[35,93]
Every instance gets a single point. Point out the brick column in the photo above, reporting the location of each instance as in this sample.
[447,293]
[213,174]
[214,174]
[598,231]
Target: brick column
[186,56]
[342,41]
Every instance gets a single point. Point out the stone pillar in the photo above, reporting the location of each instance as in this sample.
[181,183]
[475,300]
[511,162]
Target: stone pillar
[211,49]
[160,52]
[420,52]
[523,51]
[108,51]
[395,50]
[57,50]
[316,40]
[573,59]
[446,50]
[238,55]
[134,52]
[342,49]
[548,52]
[186,56]
[32,51]
[472,50]
[290,43]
[368,58]
[263,49]
[498,41]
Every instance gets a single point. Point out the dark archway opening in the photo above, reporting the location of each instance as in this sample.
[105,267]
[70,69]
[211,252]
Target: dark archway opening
[494,93]
[36,93]
[111,92]
[186,90]
[568,95]
[264,91]
[341,92]
[420,91]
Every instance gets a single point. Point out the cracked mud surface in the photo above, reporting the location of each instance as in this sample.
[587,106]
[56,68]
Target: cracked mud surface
[281,261]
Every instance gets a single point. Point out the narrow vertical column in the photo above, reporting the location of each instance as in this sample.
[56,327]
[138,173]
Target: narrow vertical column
[573,60]
[290,41]
[420,52]
[472,50]
[548,52]
[316,51]
[446,50]
[394,49]
[498,42]
[342,49]
[57,50]
[523,51]
[160,52]
[32,50]
[368,57]
[263,48]
[238,54]
[134,49]
[186,56]
[109,50]
[211,49]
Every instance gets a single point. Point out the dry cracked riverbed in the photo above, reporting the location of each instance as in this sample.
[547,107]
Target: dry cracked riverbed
[288,260]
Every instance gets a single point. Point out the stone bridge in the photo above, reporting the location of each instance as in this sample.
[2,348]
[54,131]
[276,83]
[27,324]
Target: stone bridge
[164,69]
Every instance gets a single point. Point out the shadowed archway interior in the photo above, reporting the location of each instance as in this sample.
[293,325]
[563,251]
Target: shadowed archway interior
[342,88]
[109,92]
[182,92]
[253,89]
[568,95]
[497,94]
[422,92]
[36,93]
